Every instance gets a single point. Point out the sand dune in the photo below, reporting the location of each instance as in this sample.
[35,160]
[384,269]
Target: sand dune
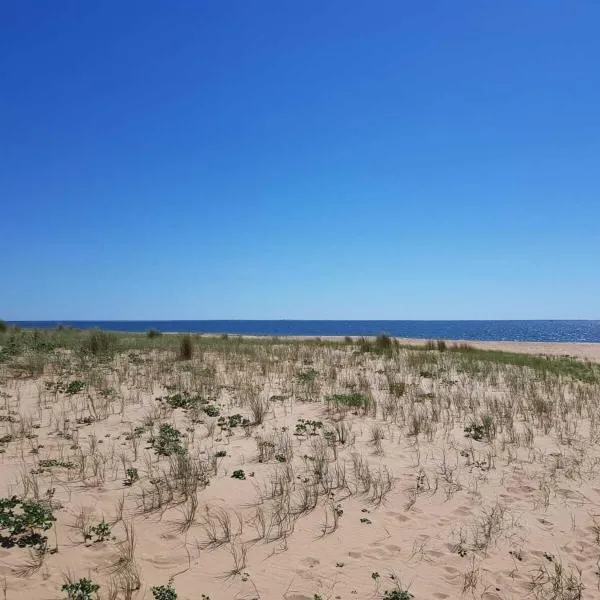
[355,476]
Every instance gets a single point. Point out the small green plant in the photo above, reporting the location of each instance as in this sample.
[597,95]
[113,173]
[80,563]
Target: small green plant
[22,521]
[397,595]
[397,388]
[220,453]
[164,592]
[131,476]
[211,410]
[74,387]
[46,464]
[474,431]
[307,377]
[101,531]
[236,420]
[238,474]
[80,590]
[181,400]
[168,441]
[354,400]
[479,431]
[304,427]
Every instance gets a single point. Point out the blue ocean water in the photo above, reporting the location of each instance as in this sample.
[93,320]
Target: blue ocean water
[534,331]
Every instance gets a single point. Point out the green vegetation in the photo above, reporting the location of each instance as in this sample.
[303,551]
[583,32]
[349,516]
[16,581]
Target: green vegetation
[168,441]
[74,387]
[307,377]
[354,400]
[84,589]
[472,360]
[484,430]
[131,476]
[164,592]
[23,521]
[211,411]
[397,595]
[100,344]
[382,344]
[238,474]
[101,531]
[182,400]
[16,343]
[308,427]
[51,462]
[186,348]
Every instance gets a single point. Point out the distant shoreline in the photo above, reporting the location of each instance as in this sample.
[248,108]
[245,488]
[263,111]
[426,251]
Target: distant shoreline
[545,331]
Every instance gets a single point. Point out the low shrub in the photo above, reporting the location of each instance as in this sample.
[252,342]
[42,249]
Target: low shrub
[23,521]
[168,441]
[80,590]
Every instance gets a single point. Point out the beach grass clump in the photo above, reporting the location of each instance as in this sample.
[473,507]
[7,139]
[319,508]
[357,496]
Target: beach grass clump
[382,344]
[186,347]
[100,344]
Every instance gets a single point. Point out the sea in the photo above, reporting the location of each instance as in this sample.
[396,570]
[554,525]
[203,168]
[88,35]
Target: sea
[530,331]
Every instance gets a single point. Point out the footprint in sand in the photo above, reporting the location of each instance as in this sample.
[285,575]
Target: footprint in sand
[452,574]
[522,490]
[310,562]
[354,554]
[462,511]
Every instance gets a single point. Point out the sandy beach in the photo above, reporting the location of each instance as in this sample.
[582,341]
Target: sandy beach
[299,471]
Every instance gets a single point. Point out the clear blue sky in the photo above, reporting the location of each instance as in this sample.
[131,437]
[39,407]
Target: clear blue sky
[300,159]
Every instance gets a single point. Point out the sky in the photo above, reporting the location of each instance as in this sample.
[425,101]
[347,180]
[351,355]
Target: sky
[308,159]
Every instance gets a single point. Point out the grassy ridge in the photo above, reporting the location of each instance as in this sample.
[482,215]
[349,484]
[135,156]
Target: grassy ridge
[34,344]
